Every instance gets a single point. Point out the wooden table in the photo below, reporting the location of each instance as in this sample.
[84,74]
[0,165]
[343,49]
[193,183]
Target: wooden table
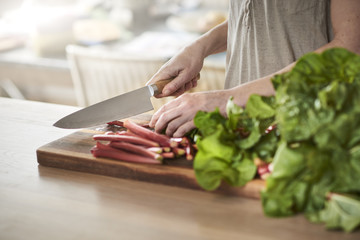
[46,203]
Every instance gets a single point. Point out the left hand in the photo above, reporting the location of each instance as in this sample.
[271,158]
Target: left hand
[177,116]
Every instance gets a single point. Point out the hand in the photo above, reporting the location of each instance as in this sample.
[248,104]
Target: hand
[184,68]
[177,116]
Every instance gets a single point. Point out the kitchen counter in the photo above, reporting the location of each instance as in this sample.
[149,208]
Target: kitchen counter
[46,203]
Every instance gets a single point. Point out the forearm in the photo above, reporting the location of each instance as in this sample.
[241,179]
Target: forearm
[261,86]
[264,87]
[213,41]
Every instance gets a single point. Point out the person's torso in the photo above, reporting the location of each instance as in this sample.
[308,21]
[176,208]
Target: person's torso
[264,36]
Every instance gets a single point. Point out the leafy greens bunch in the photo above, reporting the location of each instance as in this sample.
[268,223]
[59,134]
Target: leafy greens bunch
[315,149]
[227,146]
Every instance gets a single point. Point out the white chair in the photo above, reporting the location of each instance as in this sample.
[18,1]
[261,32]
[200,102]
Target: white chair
[99,74]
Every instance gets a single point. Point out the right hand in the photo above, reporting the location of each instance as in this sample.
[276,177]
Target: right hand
[184,68]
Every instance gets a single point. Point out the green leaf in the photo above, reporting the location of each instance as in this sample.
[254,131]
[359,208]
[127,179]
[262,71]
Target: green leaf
[212,160]
[266,147]
[341,212]
[276,205]
[253,138]
[207,122]
[240,172]
[258,108]
[211,173]
[287,162]
[333,96]
[234,113]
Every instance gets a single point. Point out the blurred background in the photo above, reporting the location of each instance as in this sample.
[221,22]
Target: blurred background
[81,52]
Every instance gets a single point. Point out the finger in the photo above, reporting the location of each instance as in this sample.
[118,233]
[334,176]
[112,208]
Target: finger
[179,92]
[166,118]
[172,87]
[184,129]
[195,80]
[173,126]
[188,86]
[192,83]
[176,84]
[180,126]
[156,116]
[181,84]
[160,75]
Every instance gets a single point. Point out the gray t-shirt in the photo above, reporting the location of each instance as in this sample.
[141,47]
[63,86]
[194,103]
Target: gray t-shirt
[264,36]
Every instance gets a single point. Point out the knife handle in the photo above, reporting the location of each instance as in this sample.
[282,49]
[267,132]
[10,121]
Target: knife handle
[160,86]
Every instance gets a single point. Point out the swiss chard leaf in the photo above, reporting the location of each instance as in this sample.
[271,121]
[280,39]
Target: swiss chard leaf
[317,114]
[258,108]
[223,151]
[341,212]
[314,149]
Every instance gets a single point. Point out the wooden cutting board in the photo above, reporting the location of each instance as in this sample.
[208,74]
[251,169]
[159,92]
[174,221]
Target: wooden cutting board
[72,152]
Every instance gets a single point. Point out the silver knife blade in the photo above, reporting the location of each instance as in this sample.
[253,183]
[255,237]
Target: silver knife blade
[116,108]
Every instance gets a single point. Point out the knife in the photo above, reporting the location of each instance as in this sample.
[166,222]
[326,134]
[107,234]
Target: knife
[116,108]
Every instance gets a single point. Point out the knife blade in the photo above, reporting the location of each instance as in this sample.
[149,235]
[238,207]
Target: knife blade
[116,108]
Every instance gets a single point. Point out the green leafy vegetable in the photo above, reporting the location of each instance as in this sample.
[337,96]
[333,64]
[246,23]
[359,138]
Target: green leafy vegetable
[317,113]
[227,146]
[314,150]
[341,211]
